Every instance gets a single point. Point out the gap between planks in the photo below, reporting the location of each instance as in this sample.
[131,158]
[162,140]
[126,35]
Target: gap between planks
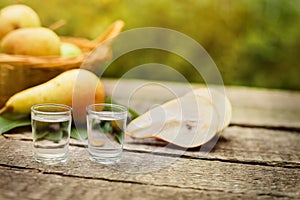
[176,154]
[34,170]
[274,128]
[160,192]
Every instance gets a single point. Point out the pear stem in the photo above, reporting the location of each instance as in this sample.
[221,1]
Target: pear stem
[3,110]
[57,25]
[112,31]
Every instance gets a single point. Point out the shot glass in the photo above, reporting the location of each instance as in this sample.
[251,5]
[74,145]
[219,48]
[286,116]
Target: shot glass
[51,127]
[105,127]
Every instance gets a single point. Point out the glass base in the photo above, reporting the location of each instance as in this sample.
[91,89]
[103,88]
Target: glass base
[105,156]
[51,160]
[105,160]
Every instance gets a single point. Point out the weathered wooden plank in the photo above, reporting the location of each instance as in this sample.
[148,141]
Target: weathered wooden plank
[251,106]
[32,184]
[236,144]
[265,107]
[157,170]
[245,163]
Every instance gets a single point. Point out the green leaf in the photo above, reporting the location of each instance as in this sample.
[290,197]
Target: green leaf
[9,122]
[132,112]
[119,137]
[39,136]
[54,136]
[78,134]
[105,128]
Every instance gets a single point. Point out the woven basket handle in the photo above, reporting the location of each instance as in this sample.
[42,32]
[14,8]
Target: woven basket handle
[112,31]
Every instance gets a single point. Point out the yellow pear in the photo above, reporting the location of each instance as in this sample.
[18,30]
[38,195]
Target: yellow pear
[188,121]
[17,16]
[69,50]
[76,88]
[5,27]
[37,41]
[219,100]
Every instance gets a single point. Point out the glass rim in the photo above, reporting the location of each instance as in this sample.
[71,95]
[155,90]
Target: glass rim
[121,109]
[69,109]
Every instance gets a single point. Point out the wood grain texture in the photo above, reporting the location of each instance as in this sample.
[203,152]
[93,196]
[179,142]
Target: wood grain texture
[161,170]
[235,144]
[251,106]
[22,184]
[257,157]
[265,107]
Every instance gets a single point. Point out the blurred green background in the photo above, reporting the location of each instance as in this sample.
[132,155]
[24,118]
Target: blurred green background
[253,42]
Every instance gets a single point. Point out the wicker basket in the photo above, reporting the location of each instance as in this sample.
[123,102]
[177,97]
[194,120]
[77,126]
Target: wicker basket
[19,72]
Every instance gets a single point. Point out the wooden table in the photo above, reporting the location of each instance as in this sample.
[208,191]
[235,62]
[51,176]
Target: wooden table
[256,157]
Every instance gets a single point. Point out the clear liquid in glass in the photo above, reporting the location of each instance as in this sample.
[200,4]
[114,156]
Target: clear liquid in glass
[51,138]
[105,138]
